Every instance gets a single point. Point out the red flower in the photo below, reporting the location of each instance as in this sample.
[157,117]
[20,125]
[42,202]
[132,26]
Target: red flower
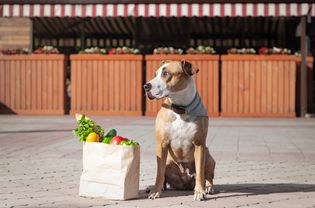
[263,50]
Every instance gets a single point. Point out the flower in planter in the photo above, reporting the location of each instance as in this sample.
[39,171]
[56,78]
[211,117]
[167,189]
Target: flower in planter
[264,50]
[124,50]
[241,51]
[297,53]
[286,51]
[232,51]
[119,50]
[168,50]
[14,51]
[93,50]
[274,50]
[46,50]
[136,51]
[112,51]
[201,50]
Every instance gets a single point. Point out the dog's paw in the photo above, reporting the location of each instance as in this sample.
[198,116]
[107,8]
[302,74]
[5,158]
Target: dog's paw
[200,196]
[148,189]
[154,194]
[210,189]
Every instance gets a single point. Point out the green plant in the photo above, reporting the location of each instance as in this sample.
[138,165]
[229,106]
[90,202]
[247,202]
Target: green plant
[85,127]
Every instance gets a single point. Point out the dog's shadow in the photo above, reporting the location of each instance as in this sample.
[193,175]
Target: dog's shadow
[236,190]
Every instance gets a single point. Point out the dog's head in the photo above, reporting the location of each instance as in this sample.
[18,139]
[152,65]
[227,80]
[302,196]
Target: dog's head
[171,76]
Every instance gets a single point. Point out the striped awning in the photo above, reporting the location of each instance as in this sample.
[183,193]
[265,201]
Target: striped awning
[157,10]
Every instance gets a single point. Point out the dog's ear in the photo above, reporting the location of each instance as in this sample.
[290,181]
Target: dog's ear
[188,68]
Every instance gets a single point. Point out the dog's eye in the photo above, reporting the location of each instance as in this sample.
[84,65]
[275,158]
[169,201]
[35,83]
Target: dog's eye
[166,74]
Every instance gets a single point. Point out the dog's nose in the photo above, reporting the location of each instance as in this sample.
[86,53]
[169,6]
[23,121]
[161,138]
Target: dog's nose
[147,87]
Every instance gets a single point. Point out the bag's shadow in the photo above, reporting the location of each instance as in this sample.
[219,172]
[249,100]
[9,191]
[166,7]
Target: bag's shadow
[236,190]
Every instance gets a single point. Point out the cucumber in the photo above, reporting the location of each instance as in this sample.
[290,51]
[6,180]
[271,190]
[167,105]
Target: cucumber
[108,137]
[111,133]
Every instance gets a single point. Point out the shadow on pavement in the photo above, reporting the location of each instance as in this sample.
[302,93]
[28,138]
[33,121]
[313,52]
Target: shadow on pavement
[236,190]
[35,131]
[168,193]
[253,189]
[4,109]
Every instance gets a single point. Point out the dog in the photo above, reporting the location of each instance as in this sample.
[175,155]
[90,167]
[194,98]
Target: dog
[181,126]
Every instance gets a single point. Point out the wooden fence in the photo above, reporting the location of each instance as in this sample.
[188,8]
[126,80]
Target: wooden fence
[207,79]
[32,84]
[106,84]
[257,85]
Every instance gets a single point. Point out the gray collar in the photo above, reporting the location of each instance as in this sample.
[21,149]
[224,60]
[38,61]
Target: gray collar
[194,108]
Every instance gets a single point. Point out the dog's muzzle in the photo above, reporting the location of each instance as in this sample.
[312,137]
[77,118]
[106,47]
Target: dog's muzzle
[147,87]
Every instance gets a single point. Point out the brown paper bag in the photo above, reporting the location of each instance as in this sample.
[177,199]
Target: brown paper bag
[110,171]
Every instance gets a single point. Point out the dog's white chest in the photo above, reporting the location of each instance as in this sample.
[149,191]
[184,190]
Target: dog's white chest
[181,132]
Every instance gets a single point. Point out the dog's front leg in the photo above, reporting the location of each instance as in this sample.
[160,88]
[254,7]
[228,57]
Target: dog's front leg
[161,155]
[199,192]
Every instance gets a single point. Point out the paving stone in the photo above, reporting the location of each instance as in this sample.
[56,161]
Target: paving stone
[260,163]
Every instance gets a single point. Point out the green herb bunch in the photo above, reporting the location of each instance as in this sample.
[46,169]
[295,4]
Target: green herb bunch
[85,127]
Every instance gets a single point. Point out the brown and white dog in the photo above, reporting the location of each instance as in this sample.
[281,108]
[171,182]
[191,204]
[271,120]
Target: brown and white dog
[183,160]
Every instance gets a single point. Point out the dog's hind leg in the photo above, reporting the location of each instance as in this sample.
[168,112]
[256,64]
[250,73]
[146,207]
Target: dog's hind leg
[164,185]
[209,172]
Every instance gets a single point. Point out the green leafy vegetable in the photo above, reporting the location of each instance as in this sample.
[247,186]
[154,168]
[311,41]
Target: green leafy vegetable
[129,143]
[85,127]
[125,143]
[133,143]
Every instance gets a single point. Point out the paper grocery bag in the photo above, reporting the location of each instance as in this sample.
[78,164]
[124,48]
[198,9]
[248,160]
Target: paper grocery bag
[110,171]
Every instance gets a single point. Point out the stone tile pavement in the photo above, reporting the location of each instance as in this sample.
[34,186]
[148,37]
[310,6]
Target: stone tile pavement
[260,163]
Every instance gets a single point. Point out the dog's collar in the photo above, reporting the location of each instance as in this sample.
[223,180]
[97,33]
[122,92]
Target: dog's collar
[180,109]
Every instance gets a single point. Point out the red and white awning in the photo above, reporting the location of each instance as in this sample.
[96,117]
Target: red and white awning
[157,10]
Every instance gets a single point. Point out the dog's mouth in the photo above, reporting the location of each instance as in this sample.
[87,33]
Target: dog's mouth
[156,96]
[150,96]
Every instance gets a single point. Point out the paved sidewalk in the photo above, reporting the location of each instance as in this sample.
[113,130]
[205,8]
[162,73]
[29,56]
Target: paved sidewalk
[260,163]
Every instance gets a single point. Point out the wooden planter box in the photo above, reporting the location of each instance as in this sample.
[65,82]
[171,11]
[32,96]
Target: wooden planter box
[258,85]
[106,84]
[32,84]
[207,79]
